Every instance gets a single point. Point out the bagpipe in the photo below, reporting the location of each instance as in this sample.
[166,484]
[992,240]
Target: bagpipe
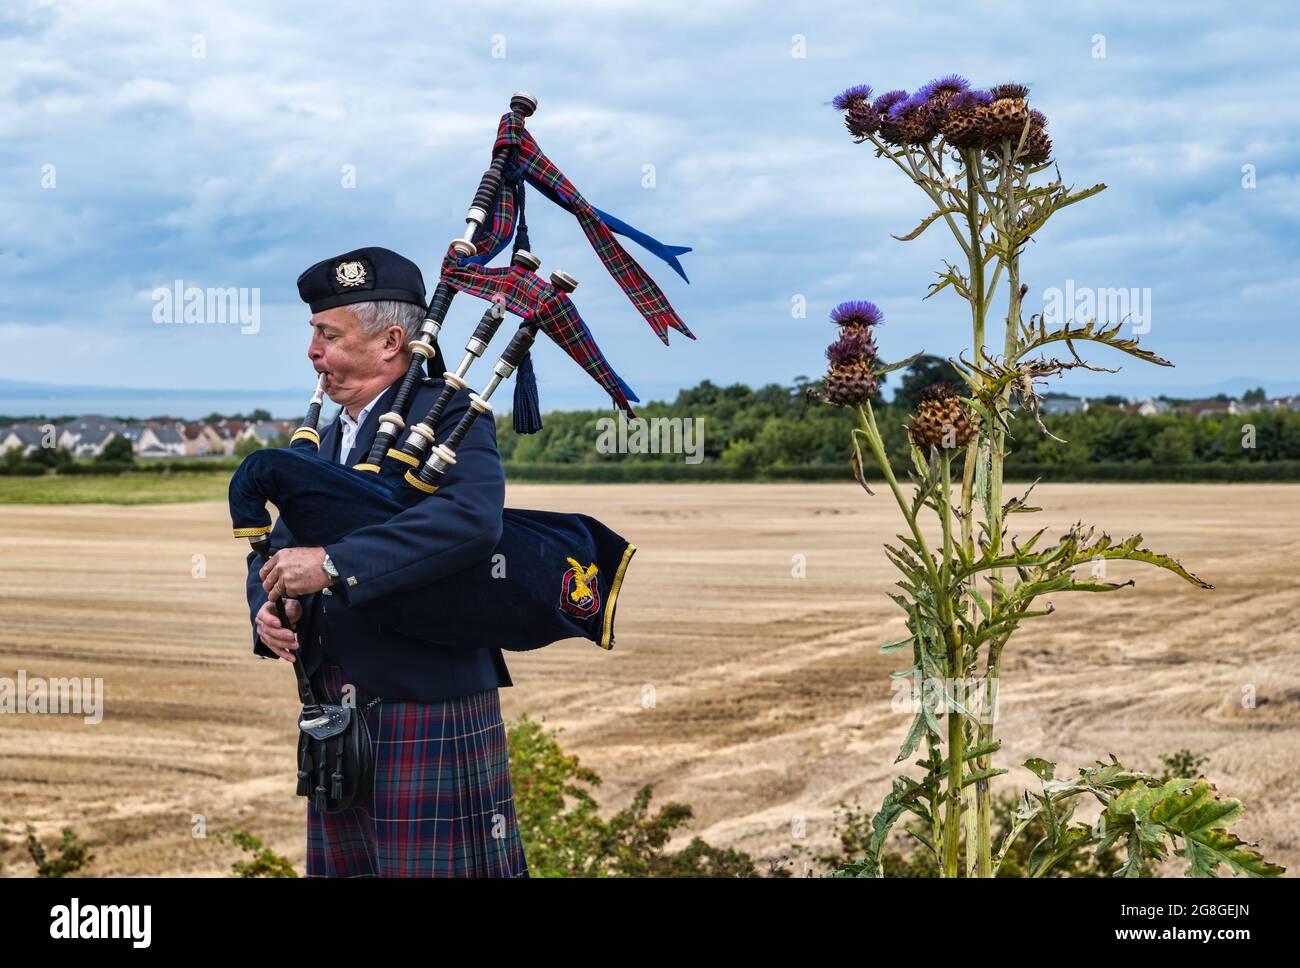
[564,569]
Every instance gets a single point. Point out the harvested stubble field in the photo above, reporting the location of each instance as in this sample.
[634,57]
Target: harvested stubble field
[756,696]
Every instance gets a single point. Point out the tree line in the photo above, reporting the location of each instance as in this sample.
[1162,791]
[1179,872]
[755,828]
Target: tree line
[777,427]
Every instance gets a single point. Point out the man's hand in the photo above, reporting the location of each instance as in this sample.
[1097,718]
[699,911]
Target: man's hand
[291,572]
[275,636]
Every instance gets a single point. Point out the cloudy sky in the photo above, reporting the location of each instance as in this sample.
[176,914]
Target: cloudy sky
[144,143]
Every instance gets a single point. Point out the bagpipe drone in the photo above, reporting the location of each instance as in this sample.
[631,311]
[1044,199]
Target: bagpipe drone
[575,555]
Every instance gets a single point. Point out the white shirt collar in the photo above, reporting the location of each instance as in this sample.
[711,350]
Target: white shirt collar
[350,427]
[361,418]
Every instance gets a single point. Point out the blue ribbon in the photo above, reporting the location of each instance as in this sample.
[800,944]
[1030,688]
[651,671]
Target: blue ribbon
[668,253]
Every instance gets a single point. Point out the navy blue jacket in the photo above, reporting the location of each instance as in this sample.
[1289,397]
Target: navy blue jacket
[458,526]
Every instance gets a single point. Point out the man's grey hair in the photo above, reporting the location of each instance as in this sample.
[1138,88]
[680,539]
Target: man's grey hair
[376,316]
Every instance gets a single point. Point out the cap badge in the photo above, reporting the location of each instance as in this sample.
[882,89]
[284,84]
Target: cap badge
[350,273]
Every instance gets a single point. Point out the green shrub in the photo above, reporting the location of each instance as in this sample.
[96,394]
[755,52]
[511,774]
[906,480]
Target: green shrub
[263,863]
[73,854]
[117,451]
[564,836]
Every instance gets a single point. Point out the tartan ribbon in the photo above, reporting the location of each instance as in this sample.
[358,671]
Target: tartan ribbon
[492,238]
[643,292]
[528,296]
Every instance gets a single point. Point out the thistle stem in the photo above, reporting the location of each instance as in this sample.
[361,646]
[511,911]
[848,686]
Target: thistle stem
[956,732]
[979,303]
[997,455]
[956,726]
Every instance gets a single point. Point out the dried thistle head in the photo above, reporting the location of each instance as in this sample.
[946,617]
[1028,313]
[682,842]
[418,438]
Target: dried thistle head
[1012,90]
[886,106]
[918,119]
[1038,146]
[850,384]
[855,345]
[1004,118]
[942,419]
[963,125]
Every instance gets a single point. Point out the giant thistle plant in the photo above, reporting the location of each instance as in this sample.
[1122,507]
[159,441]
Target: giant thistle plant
[983,158]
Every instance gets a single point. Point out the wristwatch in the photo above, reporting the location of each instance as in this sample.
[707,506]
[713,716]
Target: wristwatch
[330,570]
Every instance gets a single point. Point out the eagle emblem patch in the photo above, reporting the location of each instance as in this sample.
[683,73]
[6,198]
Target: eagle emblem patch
[579,591]
[350,273]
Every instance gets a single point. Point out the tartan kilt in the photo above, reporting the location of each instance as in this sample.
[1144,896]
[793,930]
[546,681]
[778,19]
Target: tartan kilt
[442,804]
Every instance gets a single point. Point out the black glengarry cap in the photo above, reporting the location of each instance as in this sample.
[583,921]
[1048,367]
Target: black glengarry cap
[362,275]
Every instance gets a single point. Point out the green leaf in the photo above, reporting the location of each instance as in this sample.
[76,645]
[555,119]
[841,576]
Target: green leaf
[976,775]
[982,749]
[1073,197]
[1202,819]
[1049,851]
[914,737]
[856,463]
[891,367]
[1150,812]
[927,222]
[981,601]
[890,810]
[1043,769]
[1128,550]
[1018,504]
[1035,338]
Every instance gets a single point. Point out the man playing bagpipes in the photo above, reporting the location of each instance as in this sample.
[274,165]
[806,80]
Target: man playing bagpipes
[395,576]
[361,349]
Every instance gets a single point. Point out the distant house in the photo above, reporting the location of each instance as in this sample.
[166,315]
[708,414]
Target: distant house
[202,439]
[163,441]
[87,436]
[267,431]
[1055,406]
[228,433]
[1149,407]
[1212,408]
[23,438]
[132,431]
[1285,403]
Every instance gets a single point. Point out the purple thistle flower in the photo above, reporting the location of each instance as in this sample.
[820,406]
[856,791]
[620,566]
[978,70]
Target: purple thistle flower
[951,84]
[917,100]
[852,97]
[969,101]
[857,312]
[1039,117]
[854,346]
[885,102]
[899,108]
